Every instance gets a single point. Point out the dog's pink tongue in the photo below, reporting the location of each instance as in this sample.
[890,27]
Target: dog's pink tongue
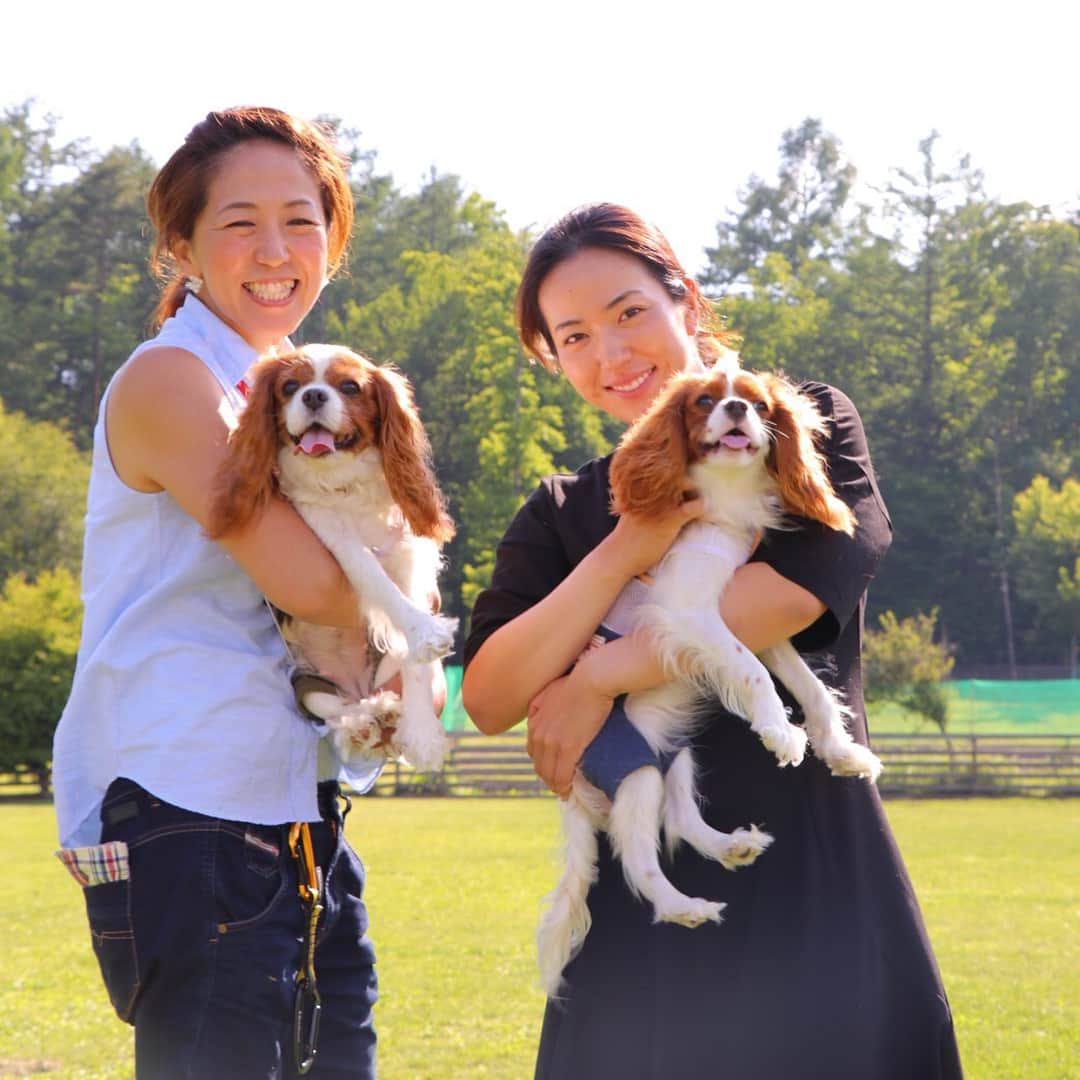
[317,441]
[735,441]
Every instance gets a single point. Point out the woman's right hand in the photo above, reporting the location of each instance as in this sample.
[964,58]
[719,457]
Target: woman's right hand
[529,653]
[637,543]
[562,720]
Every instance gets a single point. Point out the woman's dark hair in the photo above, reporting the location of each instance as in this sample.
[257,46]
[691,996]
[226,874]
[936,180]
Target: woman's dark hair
[178,193]
[606,225]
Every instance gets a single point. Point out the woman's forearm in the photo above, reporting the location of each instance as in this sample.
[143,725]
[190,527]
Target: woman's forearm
[762,607]
[527,653]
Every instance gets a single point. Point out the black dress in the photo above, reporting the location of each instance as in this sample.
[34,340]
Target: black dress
[821,969]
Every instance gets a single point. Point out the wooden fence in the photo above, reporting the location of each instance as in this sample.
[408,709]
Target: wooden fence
[921,765]
[940,765]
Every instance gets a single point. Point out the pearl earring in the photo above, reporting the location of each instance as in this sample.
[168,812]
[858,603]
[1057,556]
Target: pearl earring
[193,284]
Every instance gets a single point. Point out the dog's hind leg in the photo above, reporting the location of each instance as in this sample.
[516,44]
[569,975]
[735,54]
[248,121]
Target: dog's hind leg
[683,821]
[824,715]
[634,828]
[566,919]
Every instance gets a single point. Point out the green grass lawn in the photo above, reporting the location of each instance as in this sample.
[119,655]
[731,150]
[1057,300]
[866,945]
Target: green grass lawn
[454,894]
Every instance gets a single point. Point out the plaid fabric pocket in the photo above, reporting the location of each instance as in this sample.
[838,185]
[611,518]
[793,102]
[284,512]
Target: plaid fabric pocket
[96,864]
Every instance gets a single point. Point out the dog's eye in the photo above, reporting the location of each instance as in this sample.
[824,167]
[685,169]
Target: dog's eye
[350,388]
[290,386]
[761,407]
[706,401]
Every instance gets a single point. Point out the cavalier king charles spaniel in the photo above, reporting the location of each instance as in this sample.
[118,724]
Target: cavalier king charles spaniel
[746,444]
[341,439]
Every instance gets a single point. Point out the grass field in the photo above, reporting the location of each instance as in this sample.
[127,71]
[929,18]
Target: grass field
[454,890]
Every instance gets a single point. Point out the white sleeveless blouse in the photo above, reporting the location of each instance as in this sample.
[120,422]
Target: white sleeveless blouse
[182,679]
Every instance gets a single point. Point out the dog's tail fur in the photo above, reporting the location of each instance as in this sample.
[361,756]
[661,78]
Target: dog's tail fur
[566,919]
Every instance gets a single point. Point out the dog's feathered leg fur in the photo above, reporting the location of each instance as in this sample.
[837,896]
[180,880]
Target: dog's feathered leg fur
[825,717]
[634,828]
[683,821]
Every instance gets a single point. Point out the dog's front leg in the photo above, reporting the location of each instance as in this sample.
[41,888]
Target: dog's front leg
[420,736]
[387,609]
[698,645]
[824,715]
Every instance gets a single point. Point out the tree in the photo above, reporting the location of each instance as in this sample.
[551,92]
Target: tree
[32,259]
[944,384]
[42,497]
[800,217]
[1045,554]
[75,289]
[903,663]
[104,305]
[39,638]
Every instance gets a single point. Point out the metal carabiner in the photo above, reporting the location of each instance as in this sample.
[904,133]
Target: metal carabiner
[308,1004]
[306,1010]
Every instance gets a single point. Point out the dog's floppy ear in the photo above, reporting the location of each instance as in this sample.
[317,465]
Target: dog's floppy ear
[648,471]
[406,457]
[795,462]
[247,476]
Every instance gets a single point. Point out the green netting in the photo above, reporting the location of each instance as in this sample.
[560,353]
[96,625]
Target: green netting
[1051,705]
[1020,701]
[454,717]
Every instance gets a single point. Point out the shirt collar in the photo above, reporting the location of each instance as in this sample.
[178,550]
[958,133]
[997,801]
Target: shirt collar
[233,353]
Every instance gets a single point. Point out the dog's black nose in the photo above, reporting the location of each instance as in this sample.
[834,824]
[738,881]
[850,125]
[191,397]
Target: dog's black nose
[734,408]
[314,398]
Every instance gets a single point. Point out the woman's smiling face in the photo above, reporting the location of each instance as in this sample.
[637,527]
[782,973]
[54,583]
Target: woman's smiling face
[618,334]
[260,244]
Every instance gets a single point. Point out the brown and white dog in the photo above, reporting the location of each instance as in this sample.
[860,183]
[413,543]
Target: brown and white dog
[746,443]
[341,439]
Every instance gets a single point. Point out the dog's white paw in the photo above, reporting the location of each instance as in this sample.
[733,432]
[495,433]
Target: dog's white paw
[845,757]
[743,847]
[786,742]
[431,637]
[423,746]
[689,911]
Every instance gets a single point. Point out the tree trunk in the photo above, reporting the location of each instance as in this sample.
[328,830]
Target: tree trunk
[1003,572]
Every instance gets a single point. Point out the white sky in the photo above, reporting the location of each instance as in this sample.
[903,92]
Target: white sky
[668,107]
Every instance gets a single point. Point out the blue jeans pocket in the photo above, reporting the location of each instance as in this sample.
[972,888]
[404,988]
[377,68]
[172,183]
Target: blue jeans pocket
[108,909]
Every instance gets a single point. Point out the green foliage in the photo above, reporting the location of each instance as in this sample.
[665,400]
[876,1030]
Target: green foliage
[39,638]
[798,218]
[952,321]
[75,291]
[42,497]
[1045,553]
[903,663]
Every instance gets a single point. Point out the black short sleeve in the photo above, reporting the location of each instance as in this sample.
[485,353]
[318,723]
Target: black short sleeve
[836,568]
[529,563]
[559,524]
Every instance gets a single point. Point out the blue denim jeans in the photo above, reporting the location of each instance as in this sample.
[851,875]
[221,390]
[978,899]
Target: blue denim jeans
[199,949]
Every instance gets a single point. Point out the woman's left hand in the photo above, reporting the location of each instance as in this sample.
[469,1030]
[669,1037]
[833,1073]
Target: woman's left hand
[562,720]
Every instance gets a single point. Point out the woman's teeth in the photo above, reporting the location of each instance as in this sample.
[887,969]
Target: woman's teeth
[270,290]
[633,384]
